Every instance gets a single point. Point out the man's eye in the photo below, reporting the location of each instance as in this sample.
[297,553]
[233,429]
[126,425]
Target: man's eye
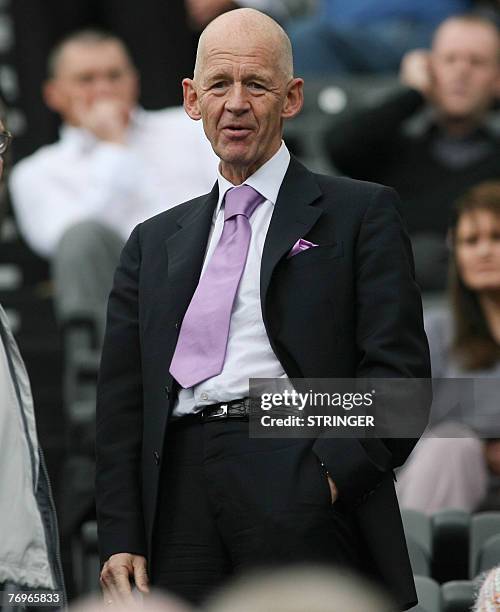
[86,78]
[115,75]
[470,240]
[254,85]
[219,85]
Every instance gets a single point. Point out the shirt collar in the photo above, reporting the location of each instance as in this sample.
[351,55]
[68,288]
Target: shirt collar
[266,180]
[425,124]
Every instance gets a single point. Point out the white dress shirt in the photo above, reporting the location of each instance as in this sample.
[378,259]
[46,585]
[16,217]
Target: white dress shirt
[165,161]
[249,353]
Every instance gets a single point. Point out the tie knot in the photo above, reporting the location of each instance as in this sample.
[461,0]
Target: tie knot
[241,200]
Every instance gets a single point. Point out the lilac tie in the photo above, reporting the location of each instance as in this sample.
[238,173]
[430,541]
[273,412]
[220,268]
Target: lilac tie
[202,343]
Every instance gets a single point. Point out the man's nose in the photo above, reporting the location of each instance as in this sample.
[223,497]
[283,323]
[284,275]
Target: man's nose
[484,248]
[103,87]
[237,100]
[462,67]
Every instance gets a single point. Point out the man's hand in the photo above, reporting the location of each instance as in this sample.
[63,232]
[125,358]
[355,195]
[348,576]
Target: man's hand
[201,12]
[118,575]
[106,118]
[333,489]
[415,71]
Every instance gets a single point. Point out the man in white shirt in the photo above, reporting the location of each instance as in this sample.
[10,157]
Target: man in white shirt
[115,165]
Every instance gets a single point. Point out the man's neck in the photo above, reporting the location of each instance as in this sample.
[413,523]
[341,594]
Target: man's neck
[238,174]
[458,127]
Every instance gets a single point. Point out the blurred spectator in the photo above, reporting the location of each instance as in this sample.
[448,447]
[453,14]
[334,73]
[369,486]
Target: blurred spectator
[76,201]
[464,341]
[363,36]
[201,12]
[156,33]
[300,589]
[29,542]
[151,603]
[434,158]
[488,599]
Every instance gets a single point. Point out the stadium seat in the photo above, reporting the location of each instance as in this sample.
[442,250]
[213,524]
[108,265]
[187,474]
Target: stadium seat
[420,562]
[450,548]
[418,527]
[457,596]
[429,595]
[489,554]
[86,559]
[484,525]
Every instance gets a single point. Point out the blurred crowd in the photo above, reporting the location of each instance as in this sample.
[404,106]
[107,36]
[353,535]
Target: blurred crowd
[74,196]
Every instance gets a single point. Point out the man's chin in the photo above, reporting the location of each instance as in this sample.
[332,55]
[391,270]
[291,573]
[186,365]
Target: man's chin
[460,114]
[235,157]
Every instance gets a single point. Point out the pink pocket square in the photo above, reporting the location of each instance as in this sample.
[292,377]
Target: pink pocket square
[299,246]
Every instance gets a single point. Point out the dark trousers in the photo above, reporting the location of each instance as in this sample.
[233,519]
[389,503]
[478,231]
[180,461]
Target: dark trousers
[228,502]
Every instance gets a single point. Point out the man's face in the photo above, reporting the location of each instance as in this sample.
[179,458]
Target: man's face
[465,66]
[242,96]
[87,72]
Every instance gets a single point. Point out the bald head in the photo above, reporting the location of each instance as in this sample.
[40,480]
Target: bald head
[243,90]
[463,25]
[234,29]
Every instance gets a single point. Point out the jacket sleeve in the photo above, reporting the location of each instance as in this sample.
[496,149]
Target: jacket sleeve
[119,415]
[367,138]
[391,343]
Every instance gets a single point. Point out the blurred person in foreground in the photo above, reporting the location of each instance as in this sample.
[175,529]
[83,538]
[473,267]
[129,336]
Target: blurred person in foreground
[154,602]
[488,598]
[276,272]
[299,589]
[29,541]
[464,340]
[115,164]
[432,138]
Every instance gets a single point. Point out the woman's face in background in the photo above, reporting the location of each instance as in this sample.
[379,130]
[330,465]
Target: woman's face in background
[477,250]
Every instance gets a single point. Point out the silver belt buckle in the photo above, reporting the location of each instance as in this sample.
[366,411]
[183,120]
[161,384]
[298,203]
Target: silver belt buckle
[221,411]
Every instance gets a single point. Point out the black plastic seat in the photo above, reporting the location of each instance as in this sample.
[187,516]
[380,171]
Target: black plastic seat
[450,535]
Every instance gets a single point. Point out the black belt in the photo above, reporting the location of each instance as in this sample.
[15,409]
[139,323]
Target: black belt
[236,409]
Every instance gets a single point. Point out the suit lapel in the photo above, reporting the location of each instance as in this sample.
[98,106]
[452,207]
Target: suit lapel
[186,250]
[292,219]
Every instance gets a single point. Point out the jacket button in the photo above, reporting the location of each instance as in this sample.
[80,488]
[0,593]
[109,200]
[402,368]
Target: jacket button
[167,392]
[156,455]
[176,325]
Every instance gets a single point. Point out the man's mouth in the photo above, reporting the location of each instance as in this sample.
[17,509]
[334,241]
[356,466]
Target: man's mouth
[236,132]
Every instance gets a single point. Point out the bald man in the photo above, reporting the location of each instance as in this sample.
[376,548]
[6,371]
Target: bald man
[276,273]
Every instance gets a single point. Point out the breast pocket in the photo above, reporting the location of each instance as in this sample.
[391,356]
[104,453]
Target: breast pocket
[315,255]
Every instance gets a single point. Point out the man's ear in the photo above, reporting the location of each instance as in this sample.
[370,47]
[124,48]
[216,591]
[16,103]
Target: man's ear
[294,99]
[191,103]
[52,95]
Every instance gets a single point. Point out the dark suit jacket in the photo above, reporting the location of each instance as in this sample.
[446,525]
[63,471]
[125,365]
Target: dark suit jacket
[347,308]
